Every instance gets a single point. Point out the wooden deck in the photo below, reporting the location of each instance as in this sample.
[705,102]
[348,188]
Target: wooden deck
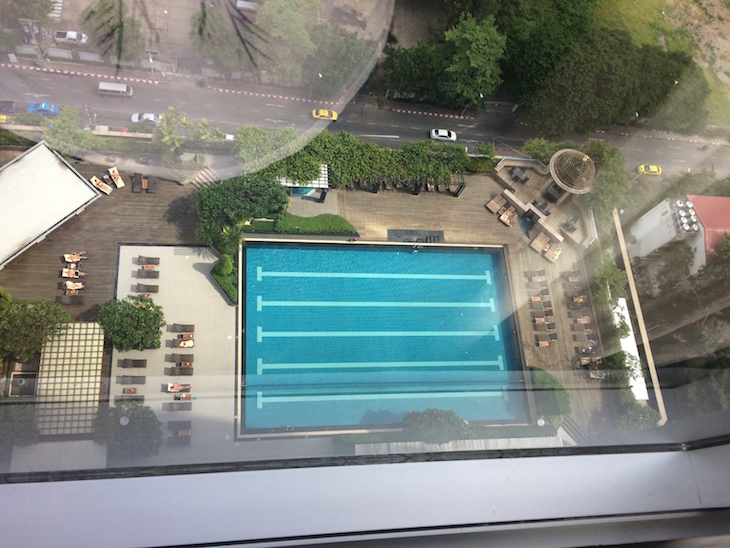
[166,217]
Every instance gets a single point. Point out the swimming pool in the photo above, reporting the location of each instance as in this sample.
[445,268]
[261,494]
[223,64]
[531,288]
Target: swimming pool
[345,335]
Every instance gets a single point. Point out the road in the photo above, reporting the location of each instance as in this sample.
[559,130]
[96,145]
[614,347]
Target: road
[366,117]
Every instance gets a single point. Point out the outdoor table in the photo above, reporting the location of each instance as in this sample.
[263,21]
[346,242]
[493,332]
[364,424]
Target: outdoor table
[186,336]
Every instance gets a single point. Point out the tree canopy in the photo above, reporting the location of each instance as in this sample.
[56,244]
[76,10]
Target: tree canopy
[112,30]
[287,28]
[604,79]
[459,68]
[436,426]
[26,326]
[134,323]
[224,38]
[129,429]
[339,57]
[66,136]
[610,186]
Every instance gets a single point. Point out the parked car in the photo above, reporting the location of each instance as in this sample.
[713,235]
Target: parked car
[645,169]
[140,117]
[7,107]
[70,37]
[443,135]
[44,108]
[324,114]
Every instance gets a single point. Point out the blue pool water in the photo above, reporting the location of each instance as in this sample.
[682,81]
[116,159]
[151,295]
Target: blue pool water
[350,335]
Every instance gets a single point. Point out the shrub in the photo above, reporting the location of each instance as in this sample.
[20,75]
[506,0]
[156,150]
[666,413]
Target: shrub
[321,224]
[436,426]
[140,435]
[551,398]
[228,285]
[224,266]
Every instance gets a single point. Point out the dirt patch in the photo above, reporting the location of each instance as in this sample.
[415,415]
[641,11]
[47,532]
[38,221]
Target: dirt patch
[417,20]
[708,23]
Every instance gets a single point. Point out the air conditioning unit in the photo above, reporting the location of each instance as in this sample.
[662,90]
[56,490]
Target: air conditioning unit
[679,203]
[695,228]
[691,212]
[688,204]
[682,213]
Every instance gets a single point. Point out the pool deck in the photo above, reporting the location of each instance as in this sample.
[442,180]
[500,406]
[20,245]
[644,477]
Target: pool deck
[168,218]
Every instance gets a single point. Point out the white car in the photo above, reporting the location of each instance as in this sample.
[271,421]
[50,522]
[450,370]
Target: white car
[139,117]
[443,135]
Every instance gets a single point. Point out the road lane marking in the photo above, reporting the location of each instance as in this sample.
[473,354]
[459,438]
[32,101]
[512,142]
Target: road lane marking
[381,136]
[272,105]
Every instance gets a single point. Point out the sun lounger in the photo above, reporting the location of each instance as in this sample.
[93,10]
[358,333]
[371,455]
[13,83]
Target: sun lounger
[182,357]
[70,299]
[142,273]
[133,363]
[148,260]
[177,441]
[496,203]
[127,379]
[74,285]
[129,397]
[142,288]
[105,188]
[183,327]
[74,257]
[175,388]
[179,425]
[177,343]
[177,371]
[136,183]
[152,185]
[553,336]
[179,406]
[536,306]
[114,174]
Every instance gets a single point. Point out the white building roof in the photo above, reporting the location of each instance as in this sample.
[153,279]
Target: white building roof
[628,345]
[653,230]
[39,192]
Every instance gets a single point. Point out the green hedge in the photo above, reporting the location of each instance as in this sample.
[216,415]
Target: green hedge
[260,226]
[551,398]
[321,224]
[227,281]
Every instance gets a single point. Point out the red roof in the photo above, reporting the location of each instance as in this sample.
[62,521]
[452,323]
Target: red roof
[714,214]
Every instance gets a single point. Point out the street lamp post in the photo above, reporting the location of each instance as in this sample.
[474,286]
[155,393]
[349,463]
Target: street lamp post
[312,84]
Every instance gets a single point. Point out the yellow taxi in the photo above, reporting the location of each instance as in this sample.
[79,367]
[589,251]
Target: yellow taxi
[645,169]
[324,114]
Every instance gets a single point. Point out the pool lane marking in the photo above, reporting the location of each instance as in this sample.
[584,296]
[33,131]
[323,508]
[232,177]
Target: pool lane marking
[260,274]
[261,399]
[261,366]
[260,334]
[260,303]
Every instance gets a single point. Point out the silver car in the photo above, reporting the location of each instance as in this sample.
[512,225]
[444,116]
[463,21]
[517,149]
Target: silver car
[443,135]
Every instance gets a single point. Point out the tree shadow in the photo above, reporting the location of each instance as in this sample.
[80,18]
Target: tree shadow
[182,213]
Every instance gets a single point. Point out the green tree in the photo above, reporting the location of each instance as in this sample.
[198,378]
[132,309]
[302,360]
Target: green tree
[66,136]
[610,186]
[219,37]
[242,199]
[551,398]
[257,148]
[611,277]
[475,51]
[129,429]
[6,299]
[340,58]
[718,263]
[436,426]
[542,150]
[287,27]
[636,416]
[112,30]
[683,107]
[27,326]
[167,135]
[36,10]
[539,35]
[133,323]
[599,151]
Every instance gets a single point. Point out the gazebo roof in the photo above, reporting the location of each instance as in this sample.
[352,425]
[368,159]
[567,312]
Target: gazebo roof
[573,171]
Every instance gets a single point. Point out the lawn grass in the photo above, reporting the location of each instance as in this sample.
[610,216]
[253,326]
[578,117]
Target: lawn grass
[718,103]
[644,21]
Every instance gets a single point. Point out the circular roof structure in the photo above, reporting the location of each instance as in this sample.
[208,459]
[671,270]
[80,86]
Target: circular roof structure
[573,170]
